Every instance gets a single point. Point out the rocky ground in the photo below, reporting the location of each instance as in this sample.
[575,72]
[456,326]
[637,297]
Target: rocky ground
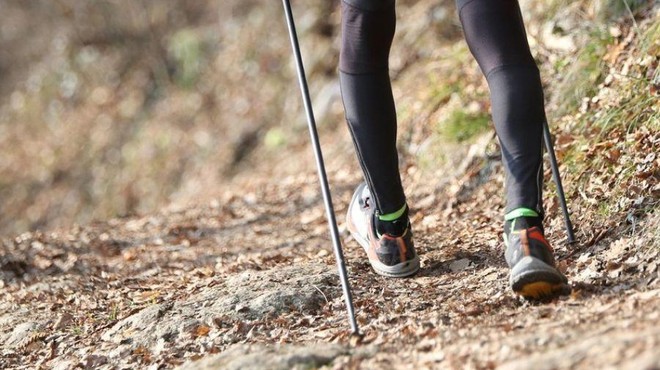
[236,285]
[248,279]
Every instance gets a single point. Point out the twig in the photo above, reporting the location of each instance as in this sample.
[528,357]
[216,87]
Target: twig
[632,16]
[643,79]
[323,294]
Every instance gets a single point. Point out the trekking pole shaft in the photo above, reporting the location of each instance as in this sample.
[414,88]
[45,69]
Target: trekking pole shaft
[325,189]
[555,175]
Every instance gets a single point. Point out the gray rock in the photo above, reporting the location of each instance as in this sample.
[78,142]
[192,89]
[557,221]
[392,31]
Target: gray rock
[250,295]
[20,333]
[254,295]
[259,357]
[144,321]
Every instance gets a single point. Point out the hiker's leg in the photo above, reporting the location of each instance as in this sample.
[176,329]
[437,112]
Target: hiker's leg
[367,33]
[495,33]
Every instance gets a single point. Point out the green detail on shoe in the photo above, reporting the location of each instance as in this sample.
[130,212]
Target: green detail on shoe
[393,216]
[520,212]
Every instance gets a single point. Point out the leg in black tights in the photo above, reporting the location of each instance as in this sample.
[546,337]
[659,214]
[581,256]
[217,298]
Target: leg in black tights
[496,36]
[495,33]
[367,32]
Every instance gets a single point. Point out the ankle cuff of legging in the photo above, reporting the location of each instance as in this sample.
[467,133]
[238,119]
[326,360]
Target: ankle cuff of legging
[520,212]
[394,215]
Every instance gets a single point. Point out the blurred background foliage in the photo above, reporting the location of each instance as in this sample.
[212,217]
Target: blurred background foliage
[116,107]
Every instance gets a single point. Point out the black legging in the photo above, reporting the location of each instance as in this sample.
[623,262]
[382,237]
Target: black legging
[495,34]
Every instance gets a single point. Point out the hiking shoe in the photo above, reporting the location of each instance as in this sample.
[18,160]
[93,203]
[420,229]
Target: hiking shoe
[391,252]
[530,257]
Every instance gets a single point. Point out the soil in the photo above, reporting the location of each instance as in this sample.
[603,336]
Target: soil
[239,285]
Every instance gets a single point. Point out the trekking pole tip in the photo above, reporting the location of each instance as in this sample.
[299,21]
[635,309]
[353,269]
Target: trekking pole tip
[356,338]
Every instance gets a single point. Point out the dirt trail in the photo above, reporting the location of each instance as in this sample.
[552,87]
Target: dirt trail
[219,282]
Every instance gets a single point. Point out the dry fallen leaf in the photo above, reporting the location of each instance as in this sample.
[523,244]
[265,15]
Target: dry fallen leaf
[202,331]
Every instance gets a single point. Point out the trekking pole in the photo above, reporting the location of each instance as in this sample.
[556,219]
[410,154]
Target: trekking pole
[557,178]
[323,178]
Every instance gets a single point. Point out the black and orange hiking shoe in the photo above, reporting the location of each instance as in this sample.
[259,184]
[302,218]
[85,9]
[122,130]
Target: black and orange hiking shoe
[530,257]
[388,244]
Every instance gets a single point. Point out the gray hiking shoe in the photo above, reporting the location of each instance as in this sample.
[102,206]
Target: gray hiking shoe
[389,255]
[534,274]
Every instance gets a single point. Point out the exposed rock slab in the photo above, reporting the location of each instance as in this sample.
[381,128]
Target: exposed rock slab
[250,295]
[257,357]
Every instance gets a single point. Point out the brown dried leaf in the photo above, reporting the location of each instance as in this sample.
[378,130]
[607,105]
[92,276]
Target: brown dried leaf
[202,331]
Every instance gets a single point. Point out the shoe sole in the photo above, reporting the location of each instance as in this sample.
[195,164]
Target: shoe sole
[400,270]
[534,279]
